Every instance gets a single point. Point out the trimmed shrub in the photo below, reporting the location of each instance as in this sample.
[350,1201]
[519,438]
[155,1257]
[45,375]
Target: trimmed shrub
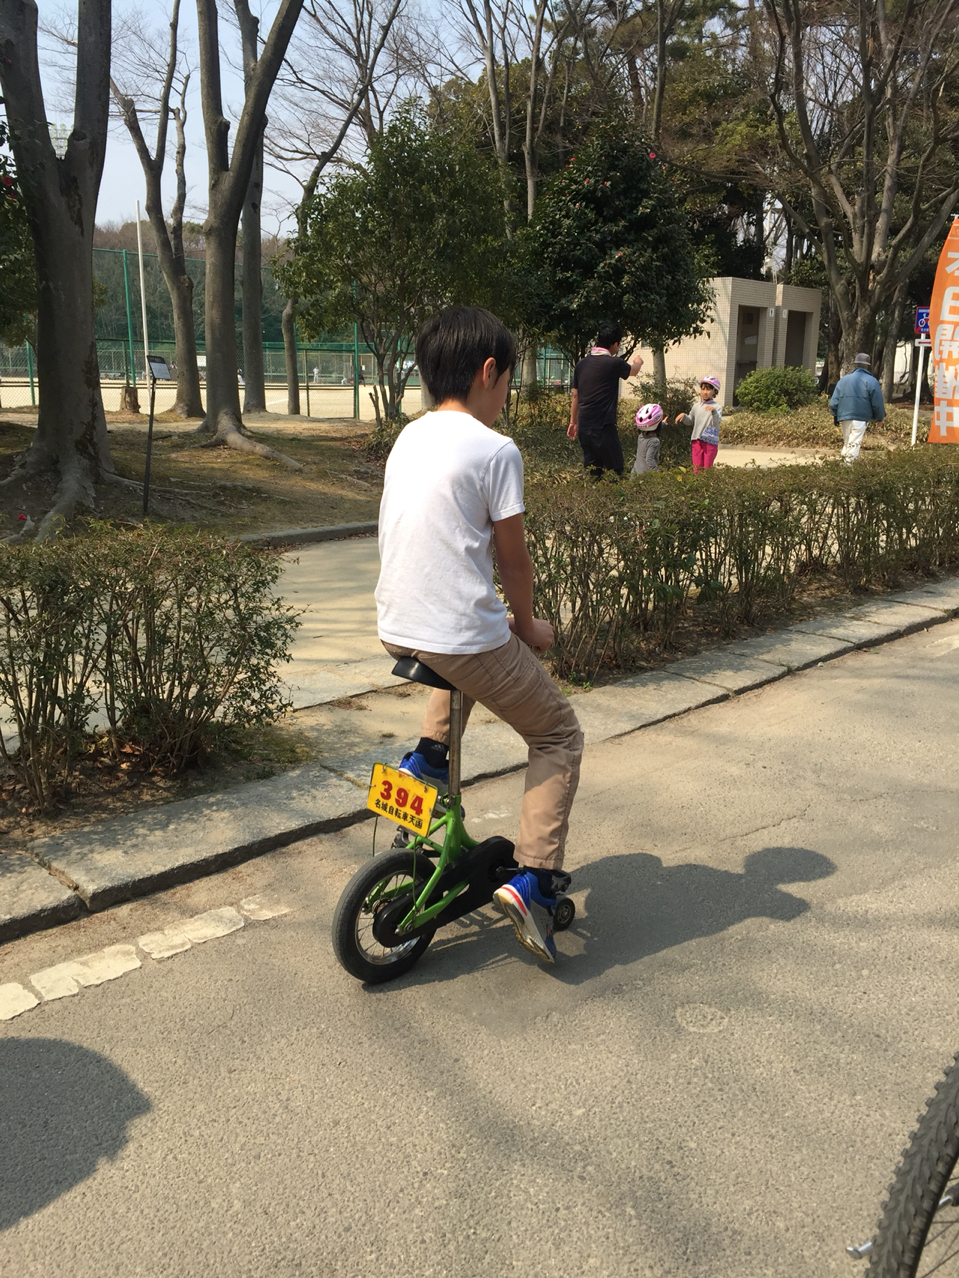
[618,565]
[170,635]
[777,389]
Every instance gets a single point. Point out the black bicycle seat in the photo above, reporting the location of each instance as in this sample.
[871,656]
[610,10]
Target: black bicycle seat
[417,672]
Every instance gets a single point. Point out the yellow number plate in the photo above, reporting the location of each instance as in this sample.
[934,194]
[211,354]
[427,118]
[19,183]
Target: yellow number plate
[401,798]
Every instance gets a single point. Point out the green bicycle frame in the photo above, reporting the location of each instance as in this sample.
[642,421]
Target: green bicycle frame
[455,840]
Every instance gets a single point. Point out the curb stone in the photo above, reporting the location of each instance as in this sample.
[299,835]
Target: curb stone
[306,536]
[88,870]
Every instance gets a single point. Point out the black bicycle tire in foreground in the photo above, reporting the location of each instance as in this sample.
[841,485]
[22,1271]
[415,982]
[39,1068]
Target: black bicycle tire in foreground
[377,883]
[918,1232]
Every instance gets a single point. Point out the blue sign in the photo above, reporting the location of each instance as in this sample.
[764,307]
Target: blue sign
[922,321]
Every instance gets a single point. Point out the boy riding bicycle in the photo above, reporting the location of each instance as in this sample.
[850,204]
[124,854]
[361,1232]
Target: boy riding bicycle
[453,491]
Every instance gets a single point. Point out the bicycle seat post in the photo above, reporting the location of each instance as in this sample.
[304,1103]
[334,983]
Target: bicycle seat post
[456,733]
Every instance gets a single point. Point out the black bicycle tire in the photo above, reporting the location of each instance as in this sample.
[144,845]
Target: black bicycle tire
[921,1178]
[351,901]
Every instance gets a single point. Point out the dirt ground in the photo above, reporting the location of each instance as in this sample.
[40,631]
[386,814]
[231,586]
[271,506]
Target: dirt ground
[218,489]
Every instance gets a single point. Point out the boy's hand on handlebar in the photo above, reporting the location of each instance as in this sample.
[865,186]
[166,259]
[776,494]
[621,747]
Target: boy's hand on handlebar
[539,635]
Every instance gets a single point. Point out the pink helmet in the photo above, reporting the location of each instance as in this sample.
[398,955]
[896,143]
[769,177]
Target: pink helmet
[710,381]
[649,417]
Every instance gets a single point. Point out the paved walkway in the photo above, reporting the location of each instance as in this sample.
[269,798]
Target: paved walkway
[336,652]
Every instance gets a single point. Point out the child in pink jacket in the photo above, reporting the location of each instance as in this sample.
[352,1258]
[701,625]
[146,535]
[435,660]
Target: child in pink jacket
[704,418]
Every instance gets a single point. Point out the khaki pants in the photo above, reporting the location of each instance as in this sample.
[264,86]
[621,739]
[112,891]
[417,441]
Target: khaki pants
[512,683]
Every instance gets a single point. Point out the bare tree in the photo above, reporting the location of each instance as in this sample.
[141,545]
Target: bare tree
[70,446]
[860,99]
[502,33]
[362,66]
[229,181]
[138,68]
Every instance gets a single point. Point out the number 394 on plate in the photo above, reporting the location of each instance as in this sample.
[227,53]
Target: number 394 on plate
[402,798]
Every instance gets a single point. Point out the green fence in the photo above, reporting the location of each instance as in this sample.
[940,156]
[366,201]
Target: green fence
[325,367]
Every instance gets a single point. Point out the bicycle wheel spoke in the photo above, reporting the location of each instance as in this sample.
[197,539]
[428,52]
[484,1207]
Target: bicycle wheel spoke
[925,1273]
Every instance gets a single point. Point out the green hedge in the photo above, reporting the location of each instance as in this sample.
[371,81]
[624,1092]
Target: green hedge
[170,636]
[766,389]
[618,565]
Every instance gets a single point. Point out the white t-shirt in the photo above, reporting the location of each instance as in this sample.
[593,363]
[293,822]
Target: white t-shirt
[448,479]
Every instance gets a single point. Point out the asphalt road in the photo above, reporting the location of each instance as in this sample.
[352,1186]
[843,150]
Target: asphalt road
[715,1080]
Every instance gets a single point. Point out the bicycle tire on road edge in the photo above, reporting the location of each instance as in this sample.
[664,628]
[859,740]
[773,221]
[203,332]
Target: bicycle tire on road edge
[921,1177]
[351,904]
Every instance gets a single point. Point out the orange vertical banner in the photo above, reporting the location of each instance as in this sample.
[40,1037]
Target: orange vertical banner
[944,332]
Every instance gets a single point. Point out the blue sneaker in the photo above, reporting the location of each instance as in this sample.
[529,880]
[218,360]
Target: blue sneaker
[416,766]
[521,901]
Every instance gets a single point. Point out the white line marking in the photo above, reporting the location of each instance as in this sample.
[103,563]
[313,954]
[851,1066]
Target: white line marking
[107,965]
[56,982]
[263,907]
[63,980]
[214,923]
[163,945]
[14,999]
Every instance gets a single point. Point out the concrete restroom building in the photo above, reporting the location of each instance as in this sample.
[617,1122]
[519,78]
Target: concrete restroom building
[754,324]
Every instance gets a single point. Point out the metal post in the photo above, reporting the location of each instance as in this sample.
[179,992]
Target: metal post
[126,290]
[146,474]
[143,297]
[306,378]
[915,412]
[456,733]
[356,369]
[33,397]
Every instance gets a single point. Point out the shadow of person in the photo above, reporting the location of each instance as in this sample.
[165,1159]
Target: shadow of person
[637,906]
[62,1109]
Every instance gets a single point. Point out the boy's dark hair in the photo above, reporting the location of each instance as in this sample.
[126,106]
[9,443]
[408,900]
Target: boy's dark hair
[453,346]
[608,335]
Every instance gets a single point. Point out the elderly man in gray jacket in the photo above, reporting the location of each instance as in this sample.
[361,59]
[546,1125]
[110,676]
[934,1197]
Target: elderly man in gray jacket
[856,401]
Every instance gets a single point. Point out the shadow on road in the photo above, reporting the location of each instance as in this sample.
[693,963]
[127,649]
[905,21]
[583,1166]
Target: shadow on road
[62,1109]
[637,906]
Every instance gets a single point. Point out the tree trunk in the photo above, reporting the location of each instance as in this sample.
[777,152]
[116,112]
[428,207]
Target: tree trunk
[288,323]
[254,400]
[189,402]
[229,176]
[222,384]
[70,442]
[659,367]
[528,375]
[71,435]
[223,418]
[892,341]
[169,239]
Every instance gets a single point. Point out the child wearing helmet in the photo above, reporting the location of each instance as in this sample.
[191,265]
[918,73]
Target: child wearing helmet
[648,421]
[704,418]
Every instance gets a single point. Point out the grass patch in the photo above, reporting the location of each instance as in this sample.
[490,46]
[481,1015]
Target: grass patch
[813,427]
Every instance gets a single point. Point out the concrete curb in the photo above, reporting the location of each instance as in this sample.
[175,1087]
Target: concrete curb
[89,870]
[306,536]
